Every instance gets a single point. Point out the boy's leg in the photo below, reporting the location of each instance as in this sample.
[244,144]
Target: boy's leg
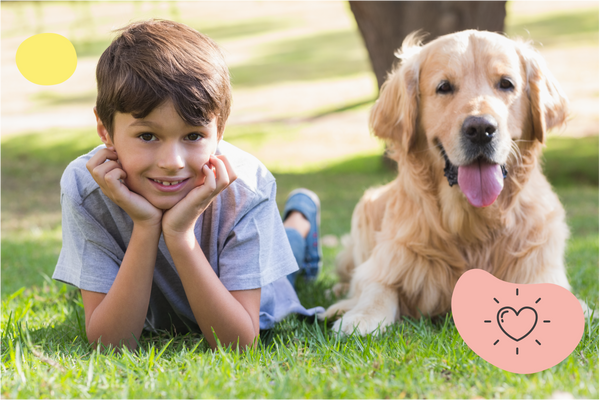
[298,244]
[301,220]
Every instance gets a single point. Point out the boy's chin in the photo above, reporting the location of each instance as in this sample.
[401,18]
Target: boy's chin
[164,207]
[165,203]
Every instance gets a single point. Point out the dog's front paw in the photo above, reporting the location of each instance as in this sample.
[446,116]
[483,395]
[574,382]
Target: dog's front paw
[361,323]
[338,309]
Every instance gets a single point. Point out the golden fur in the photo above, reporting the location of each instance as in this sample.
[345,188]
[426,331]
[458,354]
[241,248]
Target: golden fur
[413,238]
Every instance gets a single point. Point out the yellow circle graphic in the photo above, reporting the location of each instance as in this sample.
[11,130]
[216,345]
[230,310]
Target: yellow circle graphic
[46,59]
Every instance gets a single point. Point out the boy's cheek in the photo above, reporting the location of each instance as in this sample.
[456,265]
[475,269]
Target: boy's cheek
[200,181]
[201,177]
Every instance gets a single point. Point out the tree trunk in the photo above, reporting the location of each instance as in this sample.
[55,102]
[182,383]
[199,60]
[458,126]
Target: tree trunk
[384,24]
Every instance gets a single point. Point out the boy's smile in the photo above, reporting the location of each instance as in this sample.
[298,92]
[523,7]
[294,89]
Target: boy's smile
[161,154]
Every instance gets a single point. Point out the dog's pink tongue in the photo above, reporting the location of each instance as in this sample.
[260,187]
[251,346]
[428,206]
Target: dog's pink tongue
[481,182]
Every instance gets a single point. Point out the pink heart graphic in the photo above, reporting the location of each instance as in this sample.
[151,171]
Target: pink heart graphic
[516,341]
[518,326]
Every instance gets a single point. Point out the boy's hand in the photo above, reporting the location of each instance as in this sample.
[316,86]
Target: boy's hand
[182,217]
[108,175]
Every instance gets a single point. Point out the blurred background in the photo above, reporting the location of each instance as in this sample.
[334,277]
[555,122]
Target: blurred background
[303,84]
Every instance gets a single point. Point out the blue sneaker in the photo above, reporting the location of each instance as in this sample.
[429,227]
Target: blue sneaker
[307,203]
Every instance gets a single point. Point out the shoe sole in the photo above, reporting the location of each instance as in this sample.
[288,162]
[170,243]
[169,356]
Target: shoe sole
[313,196]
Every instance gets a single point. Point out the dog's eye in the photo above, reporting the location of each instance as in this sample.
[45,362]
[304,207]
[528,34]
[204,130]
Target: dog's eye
[506,84]
[444,88]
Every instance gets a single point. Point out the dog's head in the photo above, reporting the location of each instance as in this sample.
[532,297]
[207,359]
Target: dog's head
[464,99]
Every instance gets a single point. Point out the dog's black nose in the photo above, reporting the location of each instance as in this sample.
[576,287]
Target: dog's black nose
[480,129]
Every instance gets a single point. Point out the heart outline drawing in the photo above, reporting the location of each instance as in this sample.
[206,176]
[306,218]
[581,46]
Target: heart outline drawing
[517,314]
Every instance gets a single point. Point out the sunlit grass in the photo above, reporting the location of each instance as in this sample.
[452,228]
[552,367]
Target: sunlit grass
[319,56]
[570,28]
[44,354]
[29,257]
[572,162]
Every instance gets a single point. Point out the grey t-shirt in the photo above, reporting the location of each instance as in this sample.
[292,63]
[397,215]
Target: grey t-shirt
[240,233]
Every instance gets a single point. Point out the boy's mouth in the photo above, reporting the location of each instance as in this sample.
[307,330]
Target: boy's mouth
[168,186]
[167,183]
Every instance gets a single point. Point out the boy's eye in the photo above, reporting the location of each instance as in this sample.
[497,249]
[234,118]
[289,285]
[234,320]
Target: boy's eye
[194,137]
[147,137]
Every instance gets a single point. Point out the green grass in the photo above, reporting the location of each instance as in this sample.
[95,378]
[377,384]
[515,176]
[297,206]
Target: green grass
[29,257]
[319,56]
[32,165]
[45,354]
[571,162]
[577,27]
[414,359]
[94,47]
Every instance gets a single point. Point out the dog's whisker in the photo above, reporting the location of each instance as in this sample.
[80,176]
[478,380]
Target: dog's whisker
[517,158]
[515,151]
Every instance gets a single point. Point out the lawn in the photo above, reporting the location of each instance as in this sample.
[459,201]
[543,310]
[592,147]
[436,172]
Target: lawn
[45,353]
[44,350]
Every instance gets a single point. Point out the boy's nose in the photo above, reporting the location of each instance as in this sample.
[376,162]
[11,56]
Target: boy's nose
[171,159]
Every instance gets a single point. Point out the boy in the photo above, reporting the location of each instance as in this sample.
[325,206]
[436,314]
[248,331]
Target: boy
[167,226]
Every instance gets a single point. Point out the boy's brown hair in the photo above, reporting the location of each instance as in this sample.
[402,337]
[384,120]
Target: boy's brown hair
[156,60]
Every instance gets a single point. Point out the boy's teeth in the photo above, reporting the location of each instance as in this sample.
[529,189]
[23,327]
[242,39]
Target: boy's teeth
[167,183]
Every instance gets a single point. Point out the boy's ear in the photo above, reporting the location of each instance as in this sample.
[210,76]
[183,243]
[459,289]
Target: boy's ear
[102,132]
[219,134]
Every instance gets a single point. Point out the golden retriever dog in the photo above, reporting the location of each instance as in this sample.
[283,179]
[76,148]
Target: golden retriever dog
[465,117]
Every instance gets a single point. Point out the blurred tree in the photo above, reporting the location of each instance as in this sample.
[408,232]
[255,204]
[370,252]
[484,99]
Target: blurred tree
[384,24]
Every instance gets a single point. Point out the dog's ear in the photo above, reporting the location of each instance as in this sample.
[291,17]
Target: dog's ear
[549,105]
[394,115]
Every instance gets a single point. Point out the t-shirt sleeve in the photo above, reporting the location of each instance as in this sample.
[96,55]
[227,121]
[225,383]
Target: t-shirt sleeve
[90,257]
[257,251]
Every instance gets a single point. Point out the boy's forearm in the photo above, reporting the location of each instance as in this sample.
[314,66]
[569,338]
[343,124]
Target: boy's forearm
[214,307]
[122,313]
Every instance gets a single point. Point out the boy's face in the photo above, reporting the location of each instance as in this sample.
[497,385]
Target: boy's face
[161,154]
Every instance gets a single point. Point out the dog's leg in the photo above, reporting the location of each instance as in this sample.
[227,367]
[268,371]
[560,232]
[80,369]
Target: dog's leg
[367,218]
[339,309]
[376,309]
[344,267]
[424,282]
[371,304]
